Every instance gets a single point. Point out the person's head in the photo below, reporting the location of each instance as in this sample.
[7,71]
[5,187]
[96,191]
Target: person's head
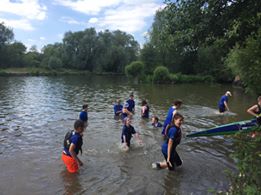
[126,105]
[177,120]
[79,126]
[144,102]
[118,101]
[154,119]
[177,103]
[85,107]
[228,93]
[127,121]
[259,100]
[131,96]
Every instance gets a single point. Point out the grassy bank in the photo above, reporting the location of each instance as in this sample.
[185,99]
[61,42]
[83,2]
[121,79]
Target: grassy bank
[33,71]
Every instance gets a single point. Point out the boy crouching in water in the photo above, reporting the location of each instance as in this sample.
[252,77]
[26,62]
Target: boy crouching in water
[72,146]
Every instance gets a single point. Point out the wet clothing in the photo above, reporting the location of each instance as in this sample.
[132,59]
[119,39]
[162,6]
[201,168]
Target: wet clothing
[258,119]
[173,133]
[131,105]
[124,115]
[158,124]
[168,119]
[70,163]
[117,108]
[127,131]
[221,103]
[76,139]
[83,116]
[146,112]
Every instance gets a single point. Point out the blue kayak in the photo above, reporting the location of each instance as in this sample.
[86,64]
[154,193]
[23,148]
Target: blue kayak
[228,129]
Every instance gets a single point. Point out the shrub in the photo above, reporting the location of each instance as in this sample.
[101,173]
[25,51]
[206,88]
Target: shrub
[135,69]
[54,63]
[161,75]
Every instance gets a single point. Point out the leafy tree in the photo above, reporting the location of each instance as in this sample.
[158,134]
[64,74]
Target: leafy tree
[161,75]
[135,70]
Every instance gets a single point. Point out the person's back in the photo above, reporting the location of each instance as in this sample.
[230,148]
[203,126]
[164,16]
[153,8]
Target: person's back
[83,116]
[223,102]
[145,109]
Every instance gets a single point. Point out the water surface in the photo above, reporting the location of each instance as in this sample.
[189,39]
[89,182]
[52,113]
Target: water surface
[36,113]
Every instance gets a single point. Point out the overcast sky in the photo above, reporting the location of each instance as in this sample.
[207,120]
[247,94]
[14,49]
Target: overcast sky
[40,22]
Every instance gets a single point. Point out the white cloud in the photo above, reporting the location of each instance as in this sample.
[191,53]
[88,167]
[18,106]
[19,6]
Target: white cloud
[126,15]
[93,20]
[89,7]
[22,24]
[70,20]
[30,9]
[42,38]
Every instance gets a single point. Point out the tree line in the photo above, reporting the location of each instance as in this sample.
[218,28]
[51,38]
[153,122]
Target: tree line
[215,40]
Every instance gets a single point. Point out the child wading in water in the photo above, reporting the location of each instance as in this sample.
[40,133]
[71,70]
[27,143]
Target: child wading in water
[155,122]
[83,116]
[72,146]
[169,152]
[127,132]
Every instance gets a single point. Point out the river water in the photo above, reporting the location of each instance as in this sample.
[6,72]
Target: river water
[36,113]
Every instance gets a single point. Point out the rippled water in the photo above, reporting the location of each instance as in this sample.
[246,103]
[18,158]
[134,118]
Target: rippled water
[36,112]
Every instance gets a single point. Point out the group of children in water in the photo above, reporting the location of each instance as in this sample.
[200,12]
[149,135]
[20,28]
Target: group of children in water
[171,131]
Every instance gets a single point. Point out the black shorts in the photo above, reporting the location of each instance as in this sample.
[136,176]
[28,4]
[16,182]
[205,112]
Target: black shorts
[174,159]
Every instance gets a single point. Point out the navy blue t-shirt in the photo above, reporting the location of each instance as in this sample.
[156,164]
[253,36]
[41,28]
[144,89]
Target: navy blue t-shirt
[76,139]
[127,132]
[131,105]
[172,134]
[223,99]
[83,116]
[116,108]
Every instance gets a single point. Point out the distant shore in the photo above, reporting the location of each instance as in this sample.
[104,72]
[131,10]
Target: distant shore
[34,71]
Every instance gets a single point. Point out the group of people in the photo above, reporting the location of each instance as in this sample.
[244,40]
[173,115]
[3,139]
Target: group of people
[171,130]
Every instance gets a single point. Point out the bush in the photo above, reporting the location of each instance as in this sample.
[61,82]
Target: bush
[161,75]
[54,63]
[135,69]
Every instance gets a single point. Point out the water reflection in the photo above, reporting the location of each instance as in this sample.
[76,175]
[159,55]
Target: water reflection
[71,183]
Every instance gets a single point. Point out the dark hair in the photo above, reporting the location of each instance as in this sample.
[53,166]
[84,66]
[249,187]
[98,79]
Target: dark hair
[144,102]
[78,123]
[172,124]
[85,106]
[177,102]
[156,118]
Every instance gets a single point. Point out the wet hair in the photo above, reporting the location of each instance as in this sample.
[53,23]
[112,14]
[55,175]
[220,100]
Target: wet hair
[144,102]
[125,120]
[78,123]
[172,124]
[259,98]
[85,106]
[177,102]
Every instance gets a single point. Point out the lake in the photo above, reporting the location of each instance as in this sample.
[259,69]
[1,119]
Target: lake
[36,113]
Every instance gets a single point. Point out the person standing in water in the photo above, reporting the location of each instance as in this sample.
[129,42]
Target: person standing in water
[127,132]
[117,108]
[172,111]
[72,145]
[125,112]
[131,103]
[169,152]
[83,116]
[255,110]
[223,102]
[155,122]
[144,109]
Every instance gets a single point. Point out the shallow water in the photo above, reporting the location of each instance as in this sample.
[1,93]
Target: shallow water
[36,113]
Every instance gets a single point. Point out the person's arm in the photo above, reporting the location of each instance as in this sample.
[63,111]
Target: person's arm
[137,136]
[173,113]
[170,144]
[251,111]
[128,112]
[74,155]
[226,105]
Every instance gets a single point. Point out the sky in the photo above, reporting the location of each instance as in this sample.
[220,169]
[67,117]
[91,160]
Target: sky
[42,22]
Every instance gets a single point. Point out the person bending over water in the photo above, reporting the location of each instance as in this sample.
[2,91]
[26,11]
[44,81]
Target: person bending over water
[72,146]
[223,102]
[169,152]
[255,110]
[127,132]
[172,111]
[144,109]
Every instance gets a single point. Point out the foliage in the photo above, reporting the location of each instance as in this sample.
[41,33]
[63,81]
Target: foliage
[245,61]
[135,70]
[54,63]
[161,75]
[248,157]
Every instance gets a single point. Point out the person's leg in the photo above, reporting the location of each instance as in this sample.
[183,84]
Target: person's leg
[177,159]
[70,163]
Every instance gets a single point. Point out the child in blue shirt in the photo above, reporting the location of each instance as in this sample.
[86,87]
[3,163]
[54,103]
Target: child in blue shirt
[131,103]
[155,122]
[117,108]
[83,116]
[127,132]
[223,102]
[169,152]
